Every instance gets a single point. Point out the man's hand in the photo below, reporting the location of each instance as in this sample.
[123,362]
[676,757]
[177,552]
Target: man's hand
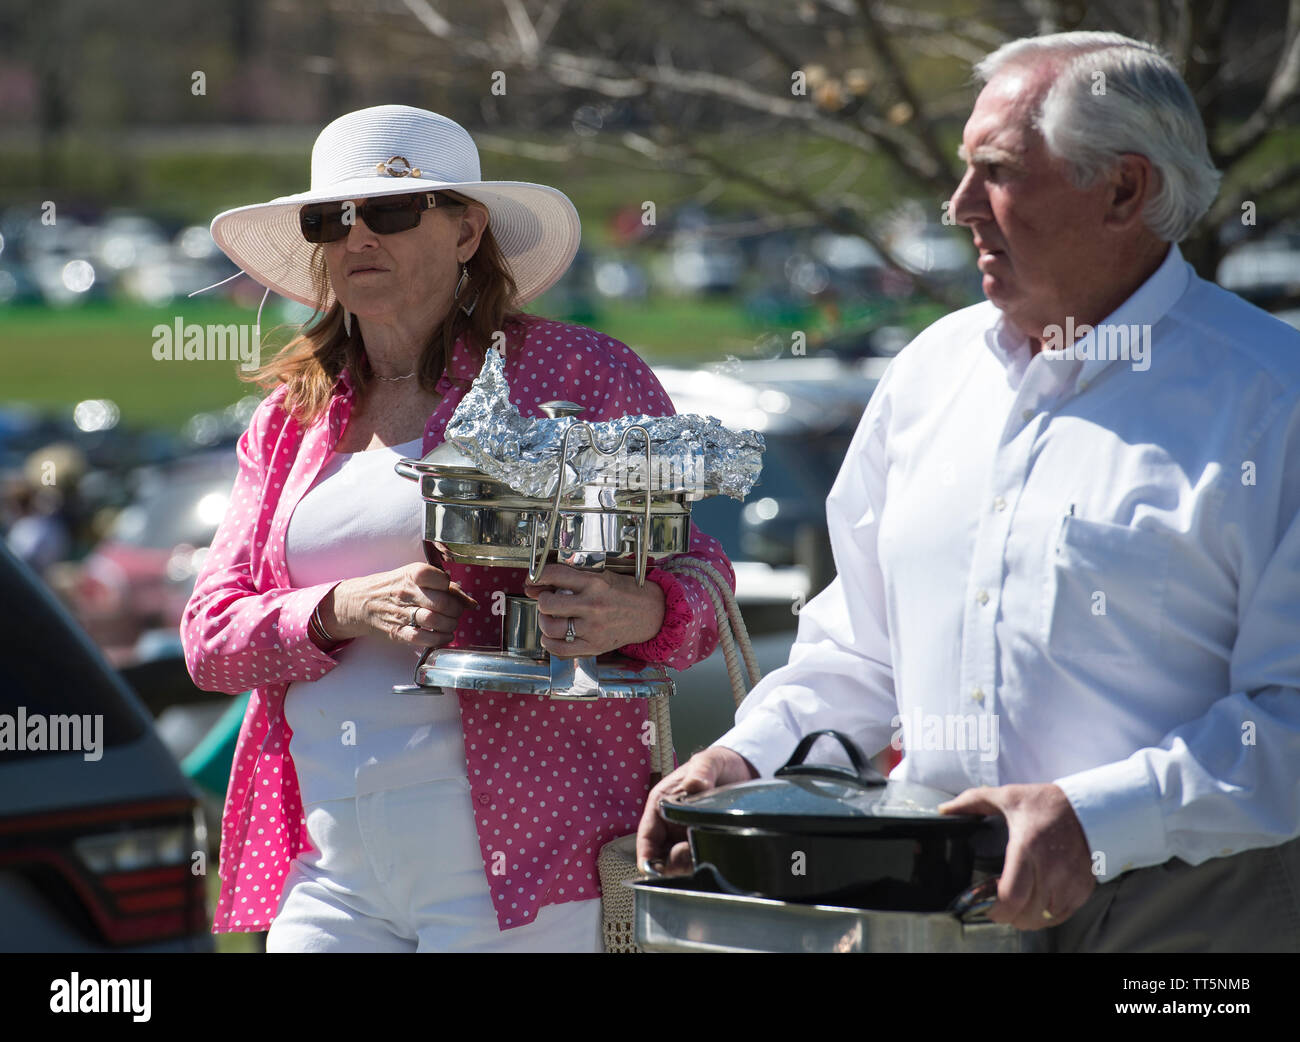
[1048,866]
[663,845]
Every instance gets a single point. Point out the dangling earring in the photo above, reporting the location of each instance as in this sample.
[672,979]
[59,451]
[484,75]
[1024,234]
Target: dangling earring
[347,322]
[464,278]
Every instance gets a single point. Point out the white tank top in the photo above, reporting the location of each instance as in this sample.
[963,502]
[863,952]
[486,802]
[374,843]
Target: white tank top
[351,734]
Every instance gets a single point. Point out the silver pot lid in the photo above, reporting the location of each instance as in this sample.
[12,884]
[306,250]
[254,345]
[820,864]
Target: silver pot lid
[447,455]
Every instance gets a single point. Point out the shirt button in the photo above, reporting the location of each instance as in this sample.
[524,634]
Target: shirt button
[1083,385]
[999,503]
[982,596]
[1027,415]
[484,799]
[977,696]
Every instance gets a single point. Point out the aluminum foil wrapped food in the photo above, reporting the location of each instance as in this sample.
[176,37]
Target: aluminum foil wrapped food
[692,454]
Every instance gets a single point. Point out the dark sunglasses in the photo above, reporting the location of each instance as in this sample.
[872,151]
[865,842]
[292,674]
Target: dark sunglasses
[385,215]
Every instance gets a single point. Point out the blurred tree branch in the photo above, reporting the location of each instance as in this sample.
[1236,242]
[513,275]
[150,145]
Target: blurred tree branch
[1283,92]
[865,91]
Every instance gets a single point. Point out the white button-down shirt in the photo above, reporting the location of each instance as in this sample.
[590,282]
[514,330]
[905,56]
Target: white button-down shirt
[1073,569]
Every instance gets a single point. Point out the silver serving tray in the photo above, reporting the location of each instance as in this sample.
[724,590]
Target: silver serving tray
[490,670]
[671,917]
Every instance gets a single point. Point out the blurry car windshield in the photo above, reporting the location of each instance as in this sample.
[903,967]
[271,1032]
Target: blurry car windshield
[184,510]
[794,468]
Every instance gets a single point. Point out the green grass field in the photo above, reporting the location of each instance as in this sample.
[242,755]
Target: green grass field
[53,359]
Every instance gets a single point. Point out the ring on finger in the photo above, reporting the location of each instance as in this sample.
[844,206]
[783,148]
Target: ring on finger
[415,612]
[1047,914]
[569,635]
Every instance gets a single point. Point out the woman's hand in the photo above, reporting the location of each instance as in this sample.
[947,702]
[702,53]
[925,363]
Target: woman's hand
[609,610]
[382,604]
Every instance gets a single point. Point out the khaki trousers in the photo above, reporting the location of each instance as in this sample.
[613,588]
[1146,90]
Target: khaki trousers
[1247,902]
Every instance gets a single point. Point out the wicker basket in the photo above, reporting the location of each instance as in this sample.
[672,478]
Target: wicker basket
[617,864]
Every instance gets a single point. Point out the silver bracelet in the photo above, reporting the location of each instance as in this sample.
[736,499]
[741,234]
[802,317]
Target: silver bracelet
[320,627]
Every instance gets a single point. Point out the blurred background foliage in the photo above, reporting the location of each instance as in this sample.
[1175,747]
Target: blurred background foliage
[754,126]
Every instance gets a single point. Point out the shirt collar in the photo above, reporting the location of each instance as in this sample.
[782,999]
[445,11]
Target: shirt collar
[1146,306]
[1144,309]
[1010,346]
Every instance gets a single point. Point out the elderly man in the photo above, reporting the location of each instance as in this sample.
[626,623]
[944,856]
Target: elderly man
[1071,514]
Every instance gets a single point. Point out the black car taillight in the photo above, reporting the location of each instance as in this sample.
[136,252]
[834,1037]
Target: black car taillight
[130,868]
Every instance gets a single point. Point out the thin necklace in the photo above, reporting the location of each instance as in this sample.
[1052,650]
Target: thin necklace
[391,379]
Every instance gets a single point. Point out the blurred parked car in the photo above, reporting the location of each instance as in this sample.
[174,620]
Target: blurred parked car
[137,580]
[942,253]
[699,264]
[807,410]
[96,854]
[1264,270]
[620,278]
[222,428]
[70,255]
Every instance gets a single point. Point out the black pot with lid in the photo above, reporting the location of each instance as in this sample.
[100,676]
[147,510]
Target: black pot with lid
[827,834]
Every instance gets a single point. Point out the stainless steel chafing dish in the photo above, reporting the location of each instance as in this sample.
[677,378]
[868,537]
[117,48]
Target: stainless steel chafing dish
[473,518]
[686,914]
[506,491]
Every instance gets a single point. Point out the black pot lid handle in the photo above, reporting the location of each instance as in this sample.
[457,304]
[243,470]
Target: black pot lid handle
[862,773]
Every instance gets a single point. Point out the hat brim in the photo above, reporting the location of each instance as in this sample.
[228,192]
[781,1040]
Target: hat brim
[535,226]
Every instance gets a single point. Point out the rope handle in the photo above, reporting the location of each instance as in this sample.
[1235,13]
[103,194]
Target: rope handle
[732,632]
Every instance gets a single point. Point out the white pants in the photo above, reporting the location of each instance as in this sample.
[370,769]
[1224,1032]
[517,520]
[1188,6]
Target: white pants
[400,871]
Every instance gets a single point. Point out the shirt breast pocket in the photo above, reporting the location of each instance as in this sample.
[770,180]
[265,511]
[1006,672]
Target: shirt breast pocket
[1104,596]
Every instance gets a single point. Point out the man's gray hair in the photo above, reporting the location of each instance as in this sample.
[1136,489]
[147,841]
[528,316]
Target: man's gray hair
[1115,95]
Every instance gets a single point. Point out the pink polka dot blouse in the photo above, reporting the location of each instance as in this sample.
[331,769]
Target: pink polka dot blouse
[551,782]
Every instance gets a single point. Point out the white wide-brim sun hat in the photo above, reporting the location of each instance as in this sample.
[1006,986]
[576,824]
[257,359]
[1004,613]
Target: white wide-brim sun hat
[395,150]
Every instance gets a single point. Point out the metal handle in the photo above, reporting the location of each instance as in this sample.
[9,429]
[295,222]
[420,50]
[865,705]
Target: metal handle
[973,903]
[418,689]
[640,546]
[643,533]
[862,773]
[535,563]
[406,468]
[703,872]
[648,869]
[990,845]
[536,560]
[559,408]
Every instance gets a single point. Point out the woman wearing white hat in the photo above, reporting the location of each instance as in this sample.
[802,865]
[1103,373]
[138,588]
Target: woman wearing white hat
[357,819]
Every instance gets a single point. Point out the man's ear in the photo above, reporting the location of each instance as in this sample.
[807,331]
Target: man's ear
[1131,184]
